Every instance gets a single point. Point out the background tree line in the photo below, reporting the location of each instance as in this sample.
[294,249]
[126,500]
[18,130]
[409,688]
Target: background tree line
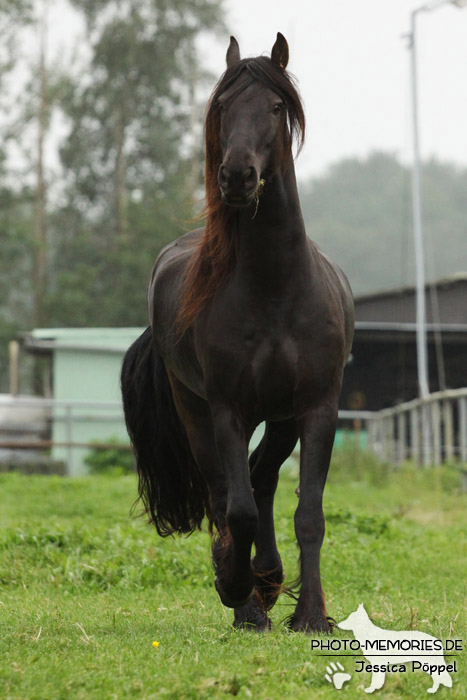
[78,239]
[360,213]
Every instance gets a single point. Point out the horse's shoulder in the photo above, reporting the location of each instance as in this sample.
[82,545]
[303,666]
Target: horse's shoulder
[332,278]
[319,256]
[329,267]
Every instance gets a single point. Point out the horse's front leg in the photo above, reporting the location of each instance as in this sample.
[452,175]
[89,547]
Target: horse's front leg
[278,442]
[317,430]
[234,574]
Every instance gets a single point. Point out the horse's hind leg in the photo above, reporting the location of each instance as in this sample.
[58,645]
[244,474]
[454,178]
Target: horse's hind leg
[317,430]
[278,442]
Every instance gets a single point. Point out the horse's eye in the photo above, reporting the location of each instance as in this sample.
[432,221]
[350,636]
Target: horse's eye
[278,107]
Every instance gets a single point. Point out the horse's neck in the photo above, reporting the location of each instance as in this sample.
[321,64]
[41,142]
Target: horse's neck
[272,240]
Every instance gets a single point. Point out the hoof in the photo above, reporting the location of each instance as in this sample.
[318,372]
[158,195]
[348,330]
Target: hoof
[263,625]
[252,616]
[231,602]
[321,624]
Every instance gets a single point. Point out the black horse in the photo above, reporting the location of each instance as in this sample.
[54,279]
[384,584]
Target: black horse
[250,322]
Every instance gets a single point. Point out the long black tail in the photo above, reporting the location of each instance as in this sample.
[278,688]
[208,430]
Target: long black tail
[172,489]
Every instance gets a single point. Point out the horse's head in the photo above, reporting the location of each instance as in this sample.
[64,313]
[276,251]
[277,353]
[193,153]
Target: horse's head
[252,115]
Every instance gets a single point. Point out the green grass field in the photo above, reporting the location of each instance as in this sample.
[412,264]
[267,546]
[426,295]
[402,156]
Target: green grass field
[85,589]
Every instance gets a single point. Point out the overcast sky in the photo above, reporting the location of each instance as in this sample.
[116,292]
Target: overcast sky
[352,66]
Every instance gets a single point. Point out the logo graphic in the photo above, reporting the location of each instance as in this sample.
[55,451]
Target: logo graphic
[336,675]
[390,651]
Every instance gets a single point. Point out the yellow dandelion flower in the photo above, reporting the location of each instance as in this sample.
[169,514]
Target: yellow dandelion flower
[155,644]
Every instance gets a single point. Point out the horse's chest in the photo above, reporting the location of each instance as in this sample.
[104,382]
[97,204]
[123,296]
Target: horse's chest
[274,375]
[277,362]
[263,373]
[273,360]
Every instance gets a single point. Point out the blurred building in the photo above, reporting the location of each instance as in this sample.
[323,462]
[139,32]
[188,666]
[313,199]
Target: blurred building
[80,370]
[383,367]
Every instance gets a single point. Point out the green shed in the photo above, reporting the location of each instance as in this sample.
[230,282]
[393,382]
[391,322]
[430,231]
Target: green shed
[83,378]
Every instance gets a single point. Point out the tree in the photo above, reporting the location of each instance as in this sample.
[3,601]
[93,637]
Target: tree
[127,158]
[30,105]
[13,13]
[16,207]
[80,254]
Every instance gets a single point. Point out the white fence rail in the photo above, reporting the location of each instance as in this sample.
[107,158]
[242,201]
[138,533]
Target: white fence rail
[30,426]
[430,431]
[427,431]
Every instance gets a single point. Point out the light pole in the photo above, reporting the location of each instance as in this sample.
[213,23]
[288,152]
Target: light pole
[422,355]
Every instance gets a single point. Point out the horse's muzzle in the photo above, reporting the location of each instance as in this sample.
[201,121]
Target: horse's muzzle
[238,187]
[235,200]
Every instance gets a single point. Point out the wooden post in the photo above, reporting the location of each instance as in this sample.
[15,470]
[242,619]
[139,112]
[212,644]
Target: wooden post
[13,350]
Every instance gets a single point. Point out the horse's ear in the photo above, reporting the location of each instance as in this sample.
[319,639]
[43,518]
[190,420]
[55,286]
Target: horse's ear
[233,52]
[280,51]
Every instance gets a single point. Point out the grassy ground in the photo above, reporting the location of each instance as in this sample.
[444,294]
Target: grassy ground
[85,590]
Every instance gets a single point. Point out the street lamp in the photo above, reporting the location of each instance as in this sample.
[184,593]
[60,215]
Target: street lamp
[422,362]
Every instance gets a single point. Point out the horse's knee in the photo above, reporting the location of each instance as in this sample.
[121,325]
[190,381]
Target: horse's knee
[242,519]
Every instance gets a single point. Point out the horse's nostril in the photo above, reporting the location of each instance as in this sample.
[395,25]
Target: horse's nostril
[249,176]
[223,179]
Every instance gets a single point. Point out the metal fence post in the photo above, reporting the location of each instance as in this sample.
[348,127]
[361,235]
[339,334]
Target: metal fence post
[448,430]
[402,436]
[370,426]
[414,435]
[463,429]
[436,421]
[426,433]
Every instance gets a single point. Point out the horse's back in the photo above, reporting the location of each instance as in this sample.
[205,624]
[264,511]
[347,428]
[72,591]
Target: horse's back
[175,256]
[165,295]
[168,274]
